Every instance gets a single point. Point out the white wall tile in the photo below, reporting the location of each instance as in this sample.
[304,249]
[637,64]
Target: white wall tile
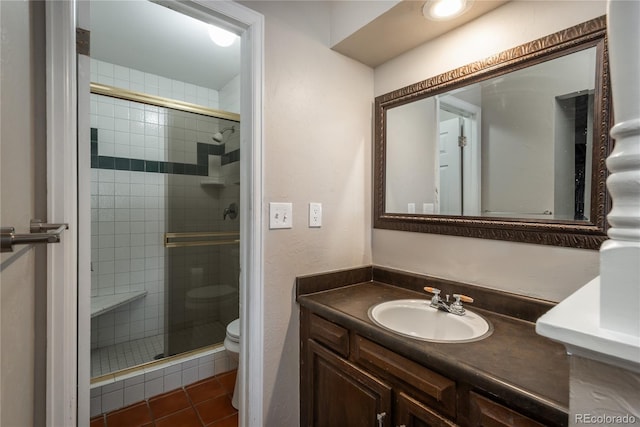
[105,69]
[221,365]
[172,381]
[153,387]
[116,385]
[105,202]
[189,375]
[113,400]
[136,127]
[122,150]
[121,73]
[206,370]
[136,113]
[131,381]
[105,109]
[134,393]
[95,406]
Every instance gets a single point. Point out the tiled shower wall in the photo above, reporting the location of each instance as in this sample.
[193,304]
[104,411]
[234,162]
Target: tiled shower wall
[128,202]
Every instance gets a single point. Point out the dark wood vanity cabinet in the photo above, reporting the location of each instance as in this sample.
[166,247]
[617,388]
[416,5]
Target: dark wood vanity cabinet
[350,381]
[410,412]
[484,412]
[342,394]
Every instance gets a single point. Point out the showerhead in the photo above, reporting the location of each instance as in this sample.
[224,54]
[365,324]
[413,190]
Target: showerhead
[217,137]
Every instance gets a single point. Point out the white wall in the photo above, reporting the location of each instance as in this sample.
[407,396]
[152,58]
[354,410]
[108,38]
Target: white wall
[518,122]
[23,197]
[317,148]
[411,170]
[347,17]
[541,271]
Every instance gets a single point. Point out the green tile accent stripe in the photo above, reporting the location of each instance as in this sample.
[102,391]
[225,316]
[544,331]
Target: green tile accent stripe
[199,169]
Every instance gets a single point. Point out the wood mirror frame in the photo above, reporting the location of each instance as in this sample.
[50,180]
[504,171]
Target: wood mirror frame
[577,234]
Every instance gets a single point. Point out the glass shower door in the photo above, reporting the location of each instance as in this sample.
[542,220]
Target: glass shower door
[202,239]
[165,229]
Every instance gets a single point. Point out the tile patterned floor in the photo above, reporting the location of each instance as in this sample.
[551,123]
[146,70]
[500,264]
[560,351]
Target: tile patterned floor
[206,403]
[105,360]
[112,358]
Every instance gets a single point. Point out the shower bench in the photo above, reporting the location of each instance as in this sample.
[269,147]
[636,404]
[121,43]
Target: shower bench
[106,303]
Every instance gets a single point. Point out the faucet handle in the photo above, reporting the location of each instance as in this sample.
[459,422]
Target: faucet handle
[463,298]
[435,300]
[434,291]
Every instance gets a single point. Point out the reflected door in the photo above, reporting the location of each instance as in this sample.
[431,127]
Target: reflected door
[450,168]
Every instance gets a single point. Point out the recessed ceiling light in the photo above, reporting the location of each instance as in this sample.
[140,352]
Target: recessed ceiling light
[221,37]
[444,9]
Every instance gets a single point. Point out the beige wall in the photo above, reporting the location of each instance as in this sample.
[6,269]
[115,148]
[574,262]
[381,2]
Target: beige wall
[546,272]
[317,149]
[600,393]
[22,189]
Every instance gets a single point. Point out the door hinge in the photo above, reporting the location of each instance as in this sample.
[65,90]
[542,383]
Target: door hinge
[462,141]
[82,41]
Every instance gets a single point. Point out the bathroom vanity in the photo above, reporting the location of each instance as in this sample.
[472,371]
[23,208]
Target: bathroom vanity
[355,373]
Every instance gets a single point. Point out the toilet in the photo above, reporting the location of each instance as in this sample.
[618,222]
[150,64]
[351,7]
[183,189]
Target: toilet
[212,303]
[232,345]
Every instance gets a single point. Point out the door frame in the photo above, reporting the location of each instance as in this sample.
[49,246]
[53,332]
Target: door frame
[472,153]
[62,181]
[67,370]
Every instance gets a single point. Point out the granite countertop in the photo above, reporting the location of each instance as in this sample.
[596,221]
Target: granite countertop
[514,364]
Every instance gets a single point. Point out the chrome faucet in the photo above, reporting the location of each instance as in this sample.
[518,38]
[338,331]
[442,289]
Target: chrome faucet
[453,308]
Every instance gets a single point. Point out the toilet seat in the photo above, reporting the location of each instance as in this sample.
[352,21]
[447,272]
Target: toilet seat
[233,330]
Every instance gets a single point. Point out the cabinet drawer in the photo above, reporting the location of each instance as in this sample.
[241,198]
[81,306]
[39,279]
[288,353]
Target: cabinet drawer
[438,390]
[333,336]
[487,413]
[411,413]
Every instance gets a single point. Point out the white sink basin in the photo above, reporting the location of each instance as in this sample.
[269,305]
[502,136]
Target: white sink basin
[415,318]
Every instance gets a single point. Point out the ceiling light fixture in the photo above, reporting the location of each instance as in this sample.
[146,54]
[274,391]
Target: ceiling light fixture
[439,10]
[221,37]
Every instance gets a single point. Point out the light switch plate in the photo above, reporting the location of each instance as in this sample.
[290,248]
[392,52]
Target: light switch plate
[280,215]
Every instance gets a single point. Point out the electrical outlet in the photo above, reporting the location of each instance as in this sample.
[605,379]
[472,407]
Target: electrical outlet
[280,215]
[315,214]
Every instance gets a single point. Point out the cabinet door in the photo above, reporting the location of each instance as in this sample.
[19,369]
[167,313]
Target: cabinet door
[412,413]
[486,413]
[342,395]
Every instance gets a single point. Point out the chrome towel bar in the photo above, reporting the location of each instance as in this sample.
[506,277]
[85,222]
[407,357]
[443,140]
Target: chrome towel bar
[180,240]
[39,233]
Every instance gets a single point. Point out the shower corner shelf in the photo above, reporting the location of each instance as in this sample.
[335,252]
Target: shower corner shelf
[213,181]
[106,303]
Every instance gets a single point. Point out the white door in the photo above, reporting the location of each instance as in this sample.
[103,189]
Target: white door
[23,287]
[450,168]
[466,187]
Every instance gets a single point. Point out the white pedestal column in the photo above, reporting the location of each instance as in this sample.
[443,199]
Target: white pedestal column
[620,256]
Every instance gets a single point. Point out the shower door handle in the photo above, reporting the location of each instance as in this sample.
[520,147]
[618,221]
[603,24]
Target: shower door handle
[39,233]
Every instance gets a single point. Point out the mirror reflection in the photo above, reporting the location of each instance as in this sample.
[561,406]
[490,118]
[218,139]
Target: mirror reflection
[514,146]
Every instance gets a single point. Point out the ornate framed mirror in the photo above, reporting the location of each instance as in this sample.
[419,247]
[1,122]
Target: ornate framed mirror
[511,147]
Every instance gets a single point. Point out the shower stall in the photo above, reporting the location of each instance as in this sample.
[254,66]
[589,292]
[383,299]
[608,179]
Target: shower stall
[165,226]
